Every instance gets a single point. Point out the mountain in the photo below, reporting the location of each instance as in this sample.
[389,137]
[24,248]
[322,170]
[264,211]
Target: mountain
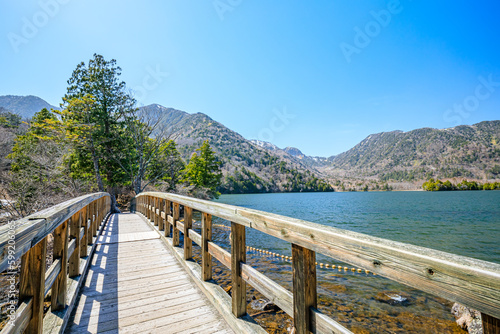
[246,166]
[25,106]
[466,151]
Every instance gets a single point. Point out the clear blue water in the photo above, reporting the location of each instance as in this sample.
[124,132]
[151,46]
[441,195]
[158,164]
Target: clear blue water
[464,223]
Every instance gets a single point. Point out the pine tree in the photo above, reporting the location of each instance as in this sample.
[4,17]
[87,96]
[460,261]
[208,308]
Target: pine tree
[203,169]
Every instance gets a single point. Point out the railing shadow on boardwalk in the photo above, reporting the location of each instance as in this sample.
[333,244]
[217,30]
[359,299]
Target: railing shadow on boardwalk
[100,285]
[76,222]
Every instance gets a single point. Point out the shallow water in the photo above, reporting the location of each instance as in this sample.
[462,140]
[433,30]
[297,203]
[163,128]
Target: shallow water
[464,223]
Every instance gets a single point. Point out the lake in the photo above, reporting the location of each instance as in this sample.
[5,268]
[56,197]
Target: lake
[464,223]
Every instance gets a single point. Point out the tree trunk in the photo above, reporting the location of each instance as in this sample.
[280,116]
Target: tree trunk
[97,171]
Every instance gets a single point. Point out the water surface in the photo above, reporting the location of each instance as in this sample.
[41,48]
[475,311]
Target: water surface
[464,223]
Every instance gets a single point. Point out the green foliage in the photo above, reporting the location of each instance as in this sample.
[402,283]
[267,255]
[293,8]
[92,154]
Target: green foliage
[9,119]
[167,166]
[95,110]
[203,169]
[438,185]
[35,172]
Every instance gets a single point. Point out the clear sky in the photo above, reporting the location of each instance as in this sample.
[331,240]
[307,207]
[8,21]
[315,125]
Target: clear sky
[316,75]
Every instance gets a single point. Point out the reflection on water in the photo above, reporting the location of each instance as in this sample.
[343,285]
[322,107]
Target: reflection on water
[465,223]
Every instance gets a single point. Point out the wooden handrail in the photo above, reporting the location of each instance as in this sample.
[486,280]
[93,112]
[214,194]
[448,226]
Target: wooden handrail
[469,281]
[73,225]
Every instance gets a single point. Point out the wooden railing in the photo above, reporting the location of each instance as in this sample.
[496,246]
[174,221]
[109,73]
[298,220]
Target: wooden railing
[472,282]
[74,225]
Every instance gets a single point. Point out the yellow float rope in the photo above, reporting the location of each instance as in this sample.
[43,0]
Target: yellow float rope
[289,258]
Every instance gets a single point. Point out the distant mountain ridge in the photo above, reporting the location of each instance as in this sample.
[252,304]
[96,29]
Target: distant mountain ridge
[25,106]
[466,151]
[463,151]
[246,166]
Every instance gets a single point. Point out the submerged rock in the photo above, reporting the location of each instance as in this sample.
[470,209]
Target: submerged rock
[467,318]
[263,305]
[393,298]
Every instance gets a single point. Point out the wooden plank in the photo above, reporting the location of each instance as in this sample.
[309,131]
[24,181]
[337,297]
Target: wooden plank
[55,321]
[238,256]
[175,231]
[161,221]
[206,236]
[216,295]
[304,287]
[30,230]
[95,218]
[74,258]
[21,319]
[156,212]
[179,226]
[51,275]
[168,214]
[270,289]
[472,282]
[32,282]
[220,254]
[188,225]
[284,300]
[491,325]
[60,252]
[83,224]
[195,237]
[322,323]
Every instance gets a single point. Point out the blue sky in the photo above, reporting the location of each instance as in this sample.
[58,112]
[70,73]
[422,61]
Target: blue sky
[319,76]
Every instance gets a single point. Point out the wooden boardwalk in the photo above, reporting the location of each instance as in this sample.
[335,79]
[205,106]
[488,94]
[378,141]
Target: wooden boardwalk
[135,285]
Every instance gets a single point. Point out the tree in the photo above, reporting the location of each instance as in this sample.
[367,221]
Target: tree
[36,179]
[171,165]
[203,169]
[147,141]
[96,106]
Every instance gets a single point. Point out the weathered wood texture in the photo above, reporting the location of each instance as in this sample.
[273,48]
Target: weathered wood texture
[216,295]
[175,218]
[74,232]
[139,287]
[304,288]
[238,256]
[35,281]
[32,283]
[206,236]
[491,325]
[472,282]
[30,230]
[60,252]
[280,296]
[188,224]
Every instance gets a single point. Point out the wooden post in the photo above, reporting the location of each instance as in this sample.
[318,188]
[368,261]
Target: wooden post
[151,203]
[90,238]
[148,211]
[155,212]
[175,231]
[206,236]
[491,325]
[74,232]
[83,223]
[304,287]
[238,255]
[32,283]
[161,225]
[188,224]
[94,219]
[60,251]
[167,213]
